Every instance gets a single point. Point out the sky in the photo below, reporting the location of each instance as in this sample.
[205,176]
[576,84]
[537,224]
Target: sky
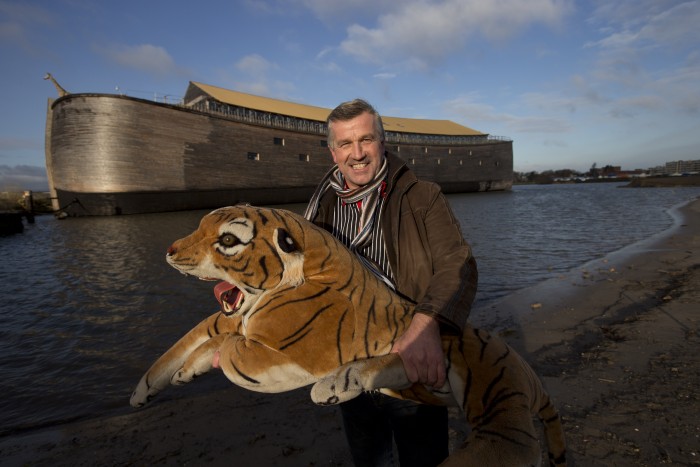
[572,83]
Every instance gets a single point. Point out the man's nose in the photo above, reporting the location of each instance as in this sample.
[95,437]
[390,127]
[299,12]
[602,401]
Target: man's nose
[356,149]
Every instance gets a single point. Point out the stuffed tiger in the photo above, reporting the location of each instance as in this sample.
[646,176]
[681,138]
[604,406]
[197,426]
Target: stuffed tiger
[298,308]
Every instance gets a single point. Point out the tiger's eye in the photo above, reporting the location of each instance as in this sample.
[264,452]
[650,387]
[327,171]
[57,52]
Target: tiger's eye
[228,240]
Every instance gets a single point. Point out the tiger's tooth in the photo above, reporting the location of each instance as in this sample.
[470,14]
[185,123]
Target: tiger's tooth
[239,301]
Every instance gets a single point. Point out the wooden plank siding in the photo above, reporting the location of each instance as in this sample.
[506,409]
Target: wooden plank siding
[111,154]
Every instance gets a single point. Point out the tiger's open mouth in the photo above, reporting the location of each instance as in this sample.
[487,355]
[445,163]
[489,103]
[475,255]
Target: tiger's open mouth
[229,296]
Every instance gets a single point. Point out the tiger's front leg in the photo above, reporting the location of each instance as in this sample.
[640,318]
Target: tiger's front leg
[199,361]
[351,379]
[159,376]
[257,367]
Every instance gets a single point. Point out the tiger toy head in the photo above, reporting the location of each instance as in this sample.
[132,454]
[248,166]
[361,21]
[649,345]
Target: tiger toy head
[253,254]
[298,309]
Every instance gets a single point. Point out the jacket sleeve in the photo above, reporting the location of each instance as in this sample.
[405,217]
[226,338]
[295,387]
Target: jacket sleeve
[452,286]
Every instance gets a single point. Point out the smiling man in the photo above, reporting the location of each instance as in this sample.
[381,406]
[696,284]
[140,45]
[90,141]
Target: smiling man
[403,229]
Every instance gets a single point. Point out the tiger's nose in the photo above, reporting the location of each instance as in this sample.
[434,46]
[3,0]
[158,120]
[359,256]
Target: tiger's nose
[172,250]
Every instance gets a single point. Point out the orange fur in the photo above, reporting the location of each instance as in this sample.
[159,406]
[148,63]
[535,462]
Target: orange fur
[310,313]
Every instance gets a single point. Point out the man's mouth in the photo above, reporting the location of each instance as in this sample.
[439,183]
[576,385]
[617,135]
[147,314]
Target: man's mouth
[229,296]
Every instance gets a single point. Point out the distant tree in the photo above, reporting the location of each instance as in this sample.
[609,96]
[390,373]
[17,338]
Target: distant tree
[610,171]
[544,178]
[524,177]
[564,173]
[594,171]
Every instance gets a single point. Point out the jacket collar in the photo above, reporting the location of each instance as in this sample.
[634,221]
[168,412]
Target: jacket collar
[399,176]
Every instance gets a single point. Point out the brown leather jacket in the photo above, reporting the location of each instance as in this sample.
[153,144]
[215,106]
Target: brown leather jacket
[432,263]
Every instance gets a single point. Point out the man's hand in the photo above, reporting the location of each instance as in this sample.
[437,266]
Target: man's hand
[420,349]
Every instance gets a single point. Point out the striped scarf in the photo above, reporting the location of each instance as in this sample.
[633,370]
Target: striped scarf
[367,196]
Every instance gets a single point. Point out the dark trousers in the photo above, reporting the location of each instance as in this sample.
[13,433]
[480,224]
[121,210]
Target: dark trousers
[371,420]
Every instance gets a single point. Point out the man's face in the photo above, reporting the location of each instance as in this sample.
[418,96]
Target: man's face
[357,150]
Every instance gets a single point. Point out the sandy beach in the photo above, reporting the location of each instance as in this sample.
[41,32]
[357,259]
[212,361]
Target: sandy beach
[616,343]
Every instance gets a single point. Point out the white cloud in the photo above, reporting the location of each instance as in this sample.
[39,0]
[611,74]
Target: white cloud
[330,67]
[385,76]
[643,103]
[254,74]
[474,112]
[639,23]
[331,11]
[17,21]
[419,34]
[646,56]
[145,57]
[549,102]
[325,51]
[254,65]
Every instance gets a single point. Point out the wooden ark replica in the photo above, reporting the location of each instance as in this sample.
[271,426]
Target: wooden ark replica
[110,154]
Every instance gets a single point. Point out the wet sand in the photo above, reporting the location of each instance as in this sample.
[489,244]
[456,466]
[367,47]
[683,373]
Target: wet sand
[615,341]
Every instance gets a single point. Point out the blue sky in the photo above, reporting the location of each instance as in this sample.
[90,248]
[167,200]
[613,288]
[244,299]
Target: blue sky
[573,83]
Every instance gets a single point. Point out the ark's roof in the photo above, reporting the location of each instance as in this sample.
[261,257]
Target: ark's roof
[310,112]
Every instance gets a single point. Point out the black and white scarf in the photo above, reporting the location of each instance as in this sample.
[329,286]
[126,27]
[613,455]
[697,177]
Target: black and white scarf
[369,198]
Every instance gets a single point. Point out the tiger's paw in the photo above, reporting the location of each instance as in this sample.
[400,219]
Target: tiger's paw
[198,363]
[184,376]
[142,395]
[340,386]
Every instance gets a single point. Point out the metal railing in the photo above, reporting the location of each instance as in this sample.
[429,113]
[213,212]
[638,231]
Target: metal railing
[284,122]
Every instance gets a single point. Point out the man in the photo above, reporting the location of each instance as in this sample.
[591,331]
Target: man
[404,230]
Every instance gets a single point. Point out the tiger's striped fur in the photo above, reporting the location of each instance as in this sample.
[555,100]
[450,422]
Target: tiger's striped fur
[303,310]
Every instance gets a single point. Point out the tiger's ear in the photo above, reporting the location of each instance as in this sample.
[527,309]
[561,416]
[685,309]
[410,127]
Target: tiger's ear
[285,242]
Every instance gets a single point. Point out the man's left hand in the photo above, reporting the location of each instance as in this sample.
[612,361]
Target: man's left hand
[420,349]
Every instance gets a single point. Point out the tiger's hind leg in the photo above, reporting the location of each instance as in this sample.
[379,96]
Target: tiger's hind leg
[351,379]
[508,439]
[554,433]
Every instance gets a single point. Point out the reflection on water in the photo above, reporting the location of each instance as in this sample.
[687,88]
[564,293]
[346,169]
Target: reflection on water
[89,303]
[90,300]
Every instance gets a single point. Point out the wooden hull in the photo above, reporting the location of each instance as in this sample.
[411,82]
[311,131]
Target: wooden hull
[109,154]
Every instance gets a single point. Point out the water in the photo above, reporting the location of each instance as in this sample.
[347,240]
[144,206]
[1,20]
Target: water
[536,232]
[89,303]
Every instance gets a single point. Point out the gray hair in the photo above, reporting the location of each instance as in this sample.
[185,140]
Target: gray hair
[349,110]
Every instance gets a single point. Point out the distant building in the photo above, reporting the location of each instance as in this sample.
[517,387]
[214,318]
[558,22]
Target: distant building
[676,168]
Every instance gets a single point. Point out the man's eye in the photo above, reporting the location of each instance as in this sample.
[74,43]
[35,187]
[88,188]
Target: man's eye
[344,145]
[228,240]
[367,140]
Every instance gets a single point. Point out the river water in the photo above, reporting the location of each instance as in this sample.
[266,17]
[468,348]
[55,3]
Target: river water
[87,304]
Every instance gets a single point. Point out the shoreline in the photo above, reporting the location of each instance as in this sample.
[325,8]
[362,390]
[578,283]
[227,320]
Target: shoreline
[615,342]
